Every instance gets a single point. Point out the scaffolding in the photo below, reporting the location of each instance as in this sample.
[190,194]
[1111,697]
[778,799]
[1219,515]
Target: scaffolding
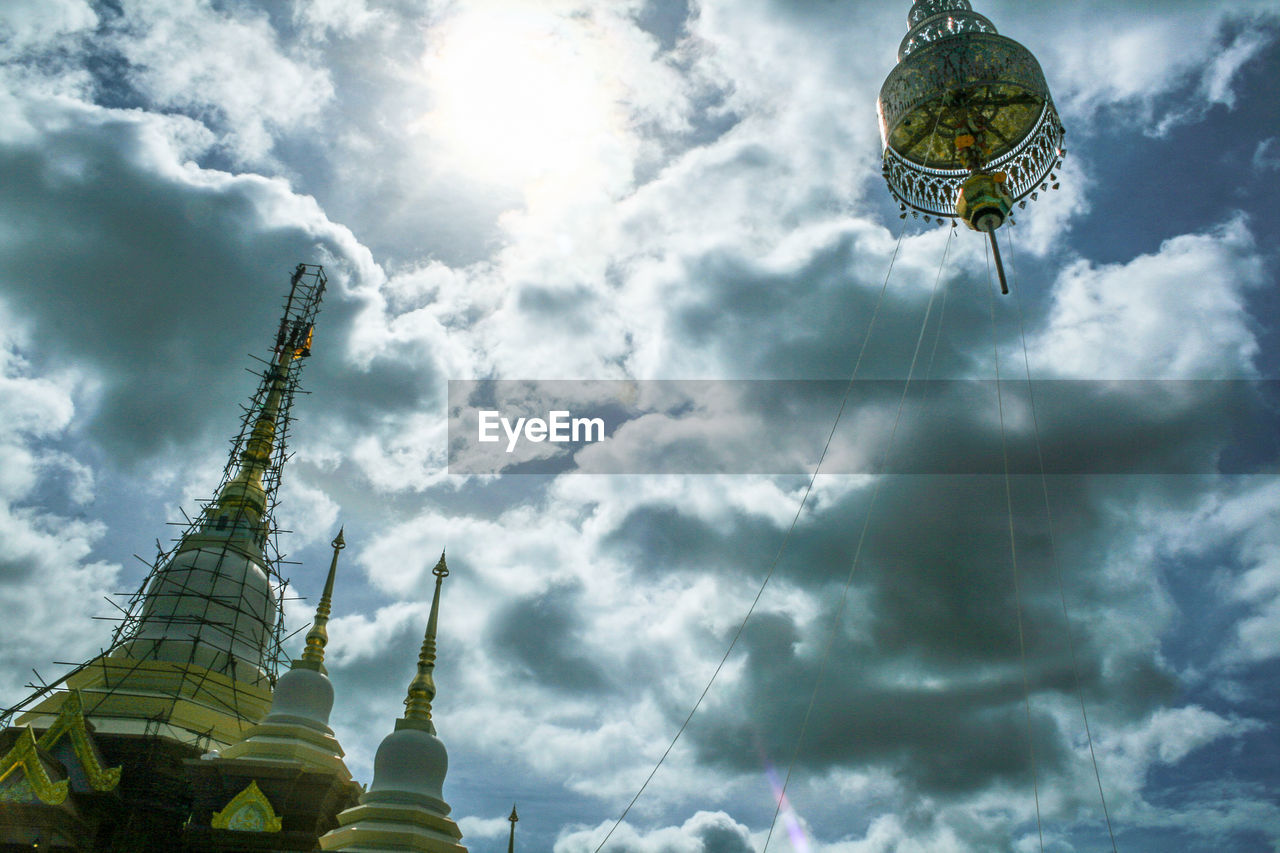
[214,598]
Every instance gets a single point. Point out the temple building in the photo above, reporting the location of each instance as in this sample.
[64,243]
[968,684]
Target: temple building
[184,734]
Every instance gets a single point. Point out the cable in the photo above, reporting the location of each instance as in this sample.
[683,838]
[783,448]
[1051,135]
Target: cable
[942,310]
[804,499]
[1053,550]
[1013,553]
[853,566]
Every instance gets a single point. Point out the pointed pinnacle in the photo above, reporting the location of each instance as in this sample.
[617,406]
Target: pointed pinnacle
[318,636]
[422,690]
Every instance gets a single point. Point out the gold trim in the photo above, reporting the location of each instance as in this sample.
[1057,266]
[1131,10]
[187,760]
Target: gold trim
[248,811]
[25,755]
[71,722]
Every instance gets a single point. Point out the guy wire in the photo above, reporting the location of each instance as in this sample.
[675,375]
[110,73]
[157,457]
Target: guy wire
[804,499]
[853,566]
[1013,553]
[1053,550]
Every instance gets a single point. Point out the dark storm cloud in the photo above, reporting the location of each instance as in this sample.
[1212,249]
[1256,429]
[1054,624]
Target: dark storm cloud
[933,596]
[960,740]
[541,635]
[957,737]
[809,322]
[927,427]
[158,280]
[157,283]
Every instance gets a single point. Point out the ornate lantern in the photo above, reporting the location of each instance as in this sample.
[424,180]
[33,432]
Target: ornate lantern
[968,125]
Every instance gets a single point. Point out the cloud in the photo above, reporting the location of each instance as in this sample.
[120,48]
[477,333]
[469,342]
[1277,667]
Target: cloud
[33,24]
[705,832]
[359,637]
[47,556]
[1266,156]
[728,224]
[1176,313]
[493,827]
[106,188]
[1122,63]
[1238,518]
[326,19]
[541,635]
[241,80]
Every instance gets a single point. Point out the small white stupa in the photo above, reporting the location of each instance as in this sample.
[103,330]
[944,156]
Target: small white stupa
[297,726]
[404,808]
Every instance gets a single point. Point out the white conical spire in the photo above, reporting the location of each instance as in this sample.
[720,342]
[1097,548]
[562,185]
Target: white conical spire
[213,604]
[195,658]
[297,726]
[404,808]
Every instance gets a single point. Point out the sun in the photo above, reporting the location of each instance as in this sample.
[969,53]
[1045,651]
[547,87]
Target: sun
[520,94]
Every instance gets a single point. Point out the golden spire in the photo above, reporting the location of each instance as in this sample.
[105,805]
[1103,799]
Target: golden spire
[423,687]
[511,842]
[318,637]
[244,493]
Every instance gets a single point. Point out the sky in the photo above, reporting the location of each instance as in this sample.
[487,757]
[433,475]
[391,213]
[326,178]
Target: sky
[638,190]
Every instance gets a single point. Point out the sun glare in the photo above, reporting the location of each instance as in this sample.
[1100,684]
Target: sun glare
[521,95]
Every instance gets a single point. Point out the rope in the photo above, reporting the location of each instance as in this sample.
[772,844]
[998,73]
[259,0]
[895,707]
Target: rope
[804,499]
[1013,553]
[848,581]
[1053,551]
[942,309]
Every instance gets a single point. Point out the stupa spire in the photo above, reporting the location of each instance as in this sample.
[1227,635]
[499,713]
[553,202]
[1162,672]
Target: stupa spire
[318,636]
[199,647]
[214,601]
[422,690]
[297,728]
[404,808]
[245,497]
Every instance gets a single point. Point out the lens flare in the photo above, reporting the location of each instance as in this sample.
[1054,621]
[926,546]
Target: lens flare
[795,830]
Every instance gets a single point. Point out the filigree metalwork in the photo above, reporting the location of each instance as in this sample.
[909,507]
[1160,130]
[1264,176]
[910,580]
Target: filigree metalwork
[963,98]
[924,9]
[943,26]
[933,191]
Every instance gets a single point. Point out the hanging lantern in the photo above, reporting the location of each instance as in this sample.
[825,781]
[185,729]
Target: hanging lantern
[966,118]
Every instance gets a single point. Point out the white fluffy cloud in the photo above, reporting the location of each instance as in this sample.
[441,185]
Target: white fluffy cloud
[35,23]
[714,213]
[1176,314]
[223,65]
[46,556]
[704,832]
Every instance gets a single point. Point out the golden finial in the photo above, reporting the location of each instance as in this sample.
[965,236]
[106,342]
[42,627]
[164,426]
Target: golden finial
[244,494]
[423,687]
[318,637]
[511,842]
